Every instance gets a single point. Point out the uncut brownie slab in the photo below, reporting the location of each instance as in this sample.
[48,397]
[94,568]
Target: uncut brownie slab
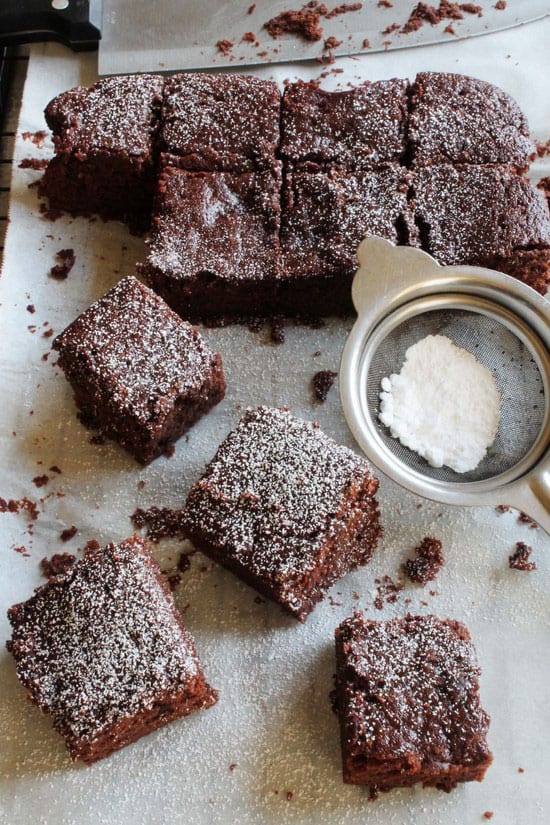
[139,373]
[327,211]
[285,508]
[471,214]
[362,126]
[457,119]
[105,158]
[102,649]
[220,122]
[407,696]
[214,248]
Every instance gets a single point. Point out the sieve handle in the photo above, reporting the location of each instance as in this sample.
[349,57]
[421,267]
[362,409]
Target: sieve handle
[533,497]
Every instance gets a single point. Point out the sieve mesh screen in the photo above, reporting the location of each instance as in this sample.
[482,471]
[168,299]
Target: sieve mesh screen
[511,362]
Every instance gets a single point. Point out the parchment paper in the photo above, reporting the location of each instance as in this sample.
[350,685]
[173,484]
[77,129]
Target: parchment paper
[273,720]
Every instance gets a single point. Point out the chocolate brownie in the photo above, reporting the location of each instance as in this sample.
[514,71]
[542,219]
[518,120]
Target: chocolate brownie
[139,373]
[214,250]
[220,122]
[285,508]
[458,119]
[532,266]
[407,695]
[327,211]
[104,140]
[362,126]
[103,650]
[466,214]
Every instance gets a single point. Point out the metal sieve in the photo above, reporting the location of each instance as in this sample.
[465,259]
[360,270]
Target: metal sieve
[401,295]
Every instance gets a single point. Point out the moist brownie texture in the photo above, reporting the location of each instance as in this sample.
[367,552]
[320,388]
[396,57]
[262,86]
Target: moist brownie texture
[285,508]
[139,373]
[458,119]
[362,126]
[214,249]
[407,696]
[220,122]
[327,211]
[104,138]
[103,650]
[445,154]
[470,213]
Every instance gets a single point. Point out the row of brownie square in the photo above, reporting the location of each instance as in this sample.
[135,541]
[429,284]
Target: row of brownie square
[407,690]
[265,243]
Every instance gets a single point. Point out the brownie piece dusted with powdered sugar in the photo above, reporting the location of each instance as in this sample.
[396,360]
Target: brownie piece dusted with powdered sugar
[220,122]
[363,126]
[458,119]
[470,214]
[102,649]
[327,211]
[285,508]
[105,158]
[214,250]
[139,373]
[407,696]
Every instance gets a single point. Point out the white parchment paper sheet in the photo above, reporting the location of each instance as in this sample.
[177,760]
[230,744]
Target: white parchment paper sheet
[273,719]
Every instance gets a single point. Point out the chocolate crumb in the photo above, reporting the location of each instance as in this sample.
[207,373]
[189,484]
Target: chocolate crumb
[500,5]
[277,334]
[37,138]
[488,815]
[33,163]
[173,580]
[90,546]
[428,562]
[449,29]
[159,522]
[519,559]
[40,481]
[249,37]
[384,4]
[386,591]
[304,22]
[31,308]
[343,8]
[16,505]
[523,518]
[390,29]
[57,564]
[289,796]
[68,533]
[67,260]
[332,43]
[322,383]
[232,766]
[55,469]
[251,9]
[48,333]
[225,46]
[22,550]
[366,43]
[184,562]
[503,508]
[521,770]
[425,13]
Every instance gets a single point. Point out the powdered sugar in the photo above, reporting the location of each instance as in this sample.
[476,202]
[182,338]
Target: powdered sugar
[443,404]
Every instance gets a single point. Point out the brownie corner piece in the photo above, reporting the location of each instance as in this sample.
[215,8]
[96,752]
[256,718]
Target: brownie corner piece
[407,697]
[214,248]
[285,508]
[104,137]
[107,630]
[139,373]
[220,122]
[361,126]
[460,119]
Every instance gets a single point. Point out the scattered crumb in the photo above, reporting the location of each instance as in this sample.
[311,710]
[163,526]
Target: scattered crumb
[428,562]
[57,564]
[277,334]
[343,8]
[366,43]
[322,383]
[304,22]
[521,770]
[386,591]
[37,138]
[488,815]
[184,562]
[503,508]
[249,37]
[424,13]
[391,28]
[519,559]
[90,546]
[50,214]
[232,766]
[449,29]
[40,481]
[384,4]
[33,163]
[543,149]
[68,533]
[22,550]
[16,505]
[67,260]
[225,46]
[251,8]
[500,5]
[523,518]
[159,522]
[31,308]
[332,43]
[55,469]
[333,602]
[48,333]
[289,796]
[173,579]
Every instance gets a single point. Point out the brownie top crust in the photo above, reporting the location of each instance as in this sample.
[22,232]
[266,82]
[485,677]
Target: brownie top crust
[458,119]
[136,350]
[412,690]
[220,223]
[118,114]
[467,213]
[365,125]
[102,642]
[218,121]
[276,490]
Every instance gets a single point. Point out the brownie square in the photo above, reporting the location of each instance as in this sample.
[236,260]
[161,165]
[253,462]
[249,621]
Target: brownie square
[532,266]
[362,126]
[102,649]
[285,508]
[407,696]
[104,139]
[458,119]
[466,214]
[327,211]
[139,373]
[220,122]
[214,250]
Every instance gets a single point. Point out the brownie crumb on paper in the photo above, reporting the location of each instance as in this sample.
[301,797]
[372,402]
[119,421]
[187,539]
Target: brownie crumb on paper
[427,563]
[519,559]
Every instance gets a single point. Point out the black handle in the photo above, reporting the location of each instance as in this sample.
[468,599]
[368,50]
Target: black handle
[29,21]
